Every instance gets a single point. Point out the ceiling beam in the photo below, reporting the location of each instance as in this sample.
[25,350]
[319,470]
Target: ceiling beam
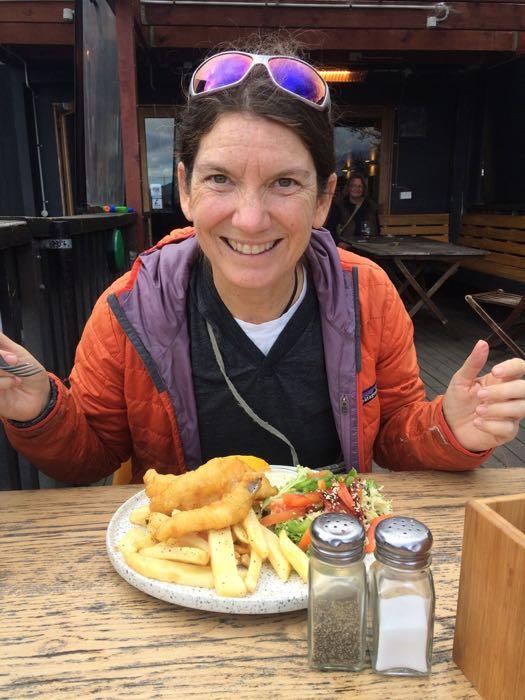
[22,11]
[358,39]
[463,15]
[23,33]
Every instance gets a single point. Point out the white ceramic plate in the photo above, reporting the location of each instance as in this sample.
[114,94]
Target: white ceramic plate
[270,596]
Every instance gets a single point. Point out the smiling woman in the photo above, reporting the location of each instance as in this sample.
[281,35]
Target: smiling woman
[250,332]
[253,208]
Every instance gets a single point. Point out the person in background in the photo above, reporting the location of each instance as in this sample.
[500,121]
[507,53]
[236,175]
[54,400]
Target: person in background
[354,214]
[250,332]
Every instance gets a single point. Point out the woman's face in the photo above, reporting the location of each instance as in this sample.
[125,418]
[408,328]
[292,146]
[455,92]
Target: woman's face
[356,189]
[253,201]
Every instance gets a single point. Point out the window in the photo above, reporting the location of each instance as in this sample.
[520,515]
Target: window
[157,148]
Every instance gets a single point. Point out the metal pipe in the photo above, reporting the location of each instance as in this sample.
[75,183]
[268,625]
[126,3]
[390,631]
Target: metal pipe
[440,9]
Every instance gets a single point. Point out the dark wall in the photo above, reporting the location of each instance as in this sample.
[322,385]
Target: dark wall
[20,186]
[16,186]
[424,135]
[503,179]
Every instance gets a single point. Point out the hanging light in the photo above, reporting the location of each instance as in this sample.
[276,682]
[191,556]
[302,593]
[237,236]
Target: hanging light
[343,75]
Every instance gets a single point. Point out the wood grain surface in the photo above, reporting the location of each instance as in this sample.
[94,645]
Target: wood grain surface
[72,627]
[491,598]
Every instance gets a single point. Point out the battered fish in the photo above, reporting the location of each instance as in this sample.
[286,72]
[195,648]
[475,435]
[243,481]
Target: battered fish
[198,488]
[229,510]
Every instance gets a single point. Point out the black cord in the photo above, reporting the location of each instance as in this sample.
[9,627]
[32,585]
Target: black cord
[294,291]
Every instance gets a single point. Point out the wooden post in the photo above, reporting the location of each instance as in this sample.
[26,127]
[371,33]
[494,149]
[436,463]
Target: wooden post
[127,70]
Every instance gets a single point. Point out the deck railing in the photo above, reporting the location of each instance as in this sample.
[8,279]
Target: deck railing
[52,271]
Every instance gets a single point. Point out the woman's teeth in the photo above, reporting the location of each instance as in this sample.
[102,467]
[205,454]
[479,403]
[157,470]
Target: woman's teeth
[246,249]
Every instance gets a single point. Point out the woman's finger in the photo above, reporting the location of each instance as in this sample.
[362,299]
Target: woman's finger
[8,345]
[501,410]
[510,369]
[9,357]
[503,392]
[502,430]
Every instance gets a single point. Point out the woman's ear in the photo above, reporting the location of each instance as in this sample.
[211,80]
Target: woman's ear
[184,195]
[324,201]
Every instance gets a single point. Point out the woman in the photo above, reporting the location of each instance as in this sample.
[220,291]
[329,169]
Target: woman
[249,332]
[355,216]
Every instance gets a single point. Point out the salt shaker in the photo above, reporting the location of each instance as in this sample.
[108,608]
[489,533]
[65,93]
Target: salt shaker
[402,598]
[337,594]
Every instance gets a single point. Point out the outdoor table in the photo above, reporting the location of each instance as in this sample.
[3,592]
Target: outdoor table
[72,627]
[398,250]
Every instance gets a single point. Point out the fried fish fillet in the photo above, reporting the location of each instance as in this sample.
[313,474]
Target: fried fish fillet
[198,488]
[229,510]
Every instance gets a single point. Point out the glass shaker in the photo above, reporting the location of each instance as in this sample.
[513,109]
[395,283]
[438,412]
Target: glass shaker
[337,594]
[402,598]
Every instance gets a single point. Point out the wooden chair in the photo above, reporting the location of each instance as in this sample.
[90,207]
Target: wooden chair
[503,235]
[123,474]
[435,226]
[500,298]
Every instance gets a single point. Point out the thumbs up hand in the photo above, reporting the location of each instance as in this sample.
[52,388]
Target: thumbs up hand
[485,411]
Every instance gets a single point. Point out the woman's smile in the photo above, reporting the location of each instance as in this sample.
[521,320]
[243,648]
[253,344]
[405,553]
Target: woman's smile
[250,249]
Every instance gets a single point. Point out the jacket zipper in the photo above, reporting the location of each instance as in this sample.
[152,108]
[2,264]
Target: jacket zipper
[345,432]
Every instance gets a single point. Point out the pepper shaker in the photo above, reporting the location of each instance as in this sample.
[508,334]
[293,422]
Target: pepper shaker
[337,594]
[402,598]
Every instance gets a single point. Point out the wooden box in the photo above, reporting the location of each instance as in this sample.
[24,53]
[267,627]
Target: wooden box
[489,639]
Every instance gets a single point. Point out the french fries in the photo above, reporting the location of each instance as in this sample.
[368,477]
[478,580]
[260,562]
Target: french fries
[254,571]
[229,560]
[277,559]
[136,541]
[140,516]
[240,534]
[255,534]
[295,556]
[191,555]
[224,565]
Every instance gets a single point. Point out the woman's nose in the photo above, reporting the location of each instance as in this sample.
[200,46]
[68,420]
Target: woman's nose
[251,214]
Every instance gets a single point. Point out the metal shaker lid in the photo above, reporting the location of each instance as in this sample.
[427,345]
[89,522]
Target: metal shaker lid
[403,542]
[337,538]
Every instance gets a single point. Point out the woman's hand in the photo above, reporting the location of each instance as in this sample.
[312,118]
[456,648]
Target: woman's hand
[21,398]
[485,411]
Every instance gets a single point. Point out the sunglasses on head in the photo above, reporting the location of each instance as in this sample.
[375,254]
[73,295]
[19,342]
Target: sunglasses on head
[292,75]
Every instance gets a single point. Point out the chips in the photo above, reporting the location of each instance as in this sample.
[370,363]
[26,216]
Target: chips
[229,560]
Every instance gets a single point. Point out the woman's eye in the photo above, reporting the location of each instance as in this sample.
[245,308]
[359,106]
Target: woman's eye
[286,182]
[218,179]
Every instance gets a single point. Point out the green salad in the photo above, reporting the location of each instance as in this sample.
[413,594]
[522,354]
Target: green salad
[311,493]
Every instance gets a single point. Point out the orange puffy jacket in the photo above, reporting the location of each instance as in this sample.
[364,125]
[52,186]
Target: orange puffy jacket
[131,388]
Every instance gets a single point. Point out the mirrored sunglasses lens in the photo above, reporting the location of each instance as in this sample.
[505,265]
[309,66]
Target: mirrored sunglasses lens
[220,71]
[298,78]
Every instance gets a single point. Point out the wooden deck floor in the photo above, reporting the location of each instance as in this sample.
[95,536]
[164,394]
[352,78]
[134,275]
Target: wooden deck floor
[440,355]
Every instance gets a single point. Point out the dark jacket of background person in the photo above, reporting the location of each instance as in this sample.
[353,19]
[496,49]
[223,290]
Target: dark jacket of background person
[341,211]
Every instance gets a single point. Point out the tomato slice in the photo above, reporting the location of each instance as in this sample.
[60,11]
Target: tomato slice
[370,546]
[282,516]
[346,497]
[305,540]
[301,500]
[277,505]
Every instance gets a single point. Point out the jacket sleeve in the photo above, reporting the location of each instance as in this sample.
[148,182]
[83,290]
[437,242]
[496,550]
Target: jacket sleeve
[86,435]
[413,432]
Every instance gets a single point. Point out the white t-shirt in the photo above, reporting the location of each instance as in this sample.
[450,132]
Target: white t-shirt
[265,334]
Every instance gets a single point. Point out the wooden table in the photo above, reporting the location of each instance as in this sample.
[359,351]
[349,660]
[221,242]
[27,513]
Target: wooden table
[72,627]
[396,251]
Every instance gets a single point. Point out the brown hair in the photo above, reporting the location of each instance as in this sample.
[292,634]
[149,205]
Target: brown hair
[258,96]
